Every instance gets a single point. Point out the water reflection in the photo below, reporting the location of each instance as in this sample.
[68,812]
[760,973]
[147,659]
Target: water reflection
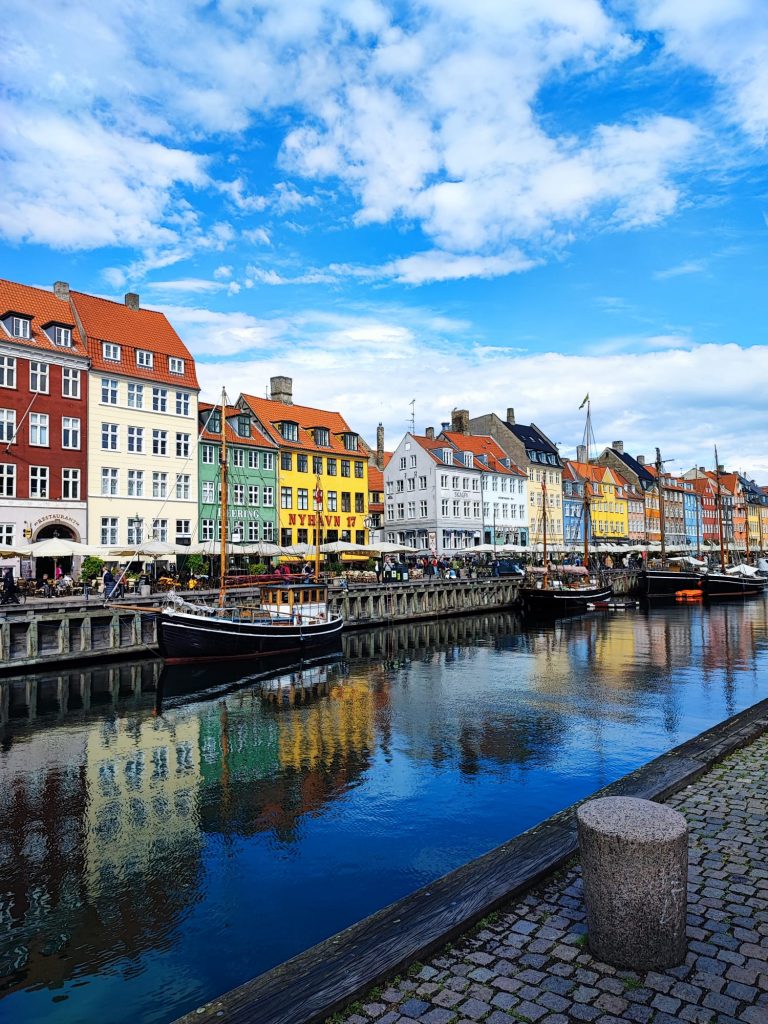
[146,833]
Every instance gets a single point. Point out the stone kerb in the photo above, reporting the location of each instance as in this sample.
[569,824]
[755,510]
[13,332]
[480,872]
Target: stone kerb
[634,858]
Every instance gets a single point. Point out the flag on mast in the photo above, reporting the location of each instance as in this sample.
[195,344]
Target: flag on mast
[586,399]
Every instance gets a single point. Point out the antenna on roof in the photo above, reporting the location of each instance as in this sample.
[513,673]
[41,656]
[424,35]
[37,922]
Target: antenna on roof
[413,415]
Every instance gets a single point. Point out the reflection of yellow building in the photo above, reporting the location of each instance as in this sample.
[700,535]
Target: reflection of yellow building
[142,779]
[330,730]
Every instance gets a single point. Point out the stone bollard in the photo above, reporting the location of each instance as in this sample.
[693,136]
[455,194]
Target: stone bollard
[634,860]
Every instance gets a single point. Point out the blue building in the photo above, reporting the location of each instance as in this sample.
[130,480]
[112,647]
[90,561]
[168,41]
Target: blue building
[573,507]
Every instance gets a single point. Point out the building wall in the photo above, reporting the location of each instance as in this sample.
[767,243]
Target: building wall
[254,522]
[295,488]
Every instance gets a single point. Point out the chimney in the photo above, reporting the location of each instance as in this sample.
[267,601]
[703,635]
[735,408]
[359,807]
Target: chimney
[430,433]
[511,416]
[721,468]
[640,459]
[460,421]
[619,446]
[702,469]
[281,389]
[581,453]
[445,426]
[61,290]
[380,446]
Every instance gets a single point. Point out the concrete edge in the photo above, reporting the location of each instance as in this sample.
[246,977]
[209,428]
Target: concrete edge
[324,979]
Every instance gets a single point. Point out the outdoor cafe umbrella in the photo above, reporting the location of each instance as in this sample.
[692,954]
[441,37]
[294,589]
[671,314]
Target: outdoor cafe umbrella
[388,547]
[59,547]
[339,547]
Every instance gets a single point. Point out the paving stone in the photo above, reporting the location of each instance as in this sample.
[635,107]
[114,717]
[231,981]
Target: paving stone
[554,1002]
[474,1008]
[437,1016]
[504,1000]
[531,1011]
[665,1004]
[721,1003]
[447,998]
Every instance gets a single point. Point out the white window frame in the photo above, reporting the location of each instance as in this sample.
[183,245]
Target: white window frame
[39,377]
[135,483]
[39,430]
[62,336]
[110,351]
[145,359]
[183,481]
[159,485]
[176,365]
[111,433]
[70,484]
[109,531]
[110,481]
[182,403]
[70,431]
[39,482]
[20,327]
[183,442]
[135,395]
[135,439]
[207,454]
[8,372]
[159,399]
[7,480]
[70,382]
[8,425]
[160,442]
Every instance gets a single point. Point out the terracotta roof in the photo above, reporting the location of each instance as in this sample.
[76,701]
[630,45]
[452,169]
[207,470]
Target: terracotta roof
[270,412]
[43,308]
[375,478]
[132,329]
[257,438]
[482,444]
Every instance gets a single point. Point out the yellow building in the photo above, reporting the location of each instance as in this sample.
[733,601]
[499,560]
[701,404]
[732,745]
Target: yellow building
[322,468]
[609,505]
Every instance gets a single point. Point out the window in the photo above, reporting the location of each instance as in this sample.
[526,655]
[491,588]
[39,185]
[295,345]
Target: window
[70,432]
[62,336]
[345,467]
[269,460]
[207,454]
[109,479]
[286,537]
[331,499]
[7,372]
[175,365]
[182,529]
[7,480]
[244,426]
[322,437]
[331,467]
[400,510]
[135,439]
[346,501]
[423,509]
[182,486]
[206,529]
[159,485]
[159,399]
[238,457]
[286,460]
[70,383]
[457,508]
[302,463]
[359,470]
[443,479]
[359,503]
[20,327]
[135,396]
[444,507]
[269,497]
[302,498]
[7,424]
[110,351]
[422,483]
[182,446]
[182,403]
[253,459]
[411,482]
[268,531]
[159,442]
[350,443]
[144,358]
[413,462]
[109,437]
[38,429]
[290,431]
[135,483]
[286,497]
[108,391]
[253,495]
[402,462]
[38,481]
[207,492]
[135,530]
[399,486]
[238,494]
[109,530]
[38,377]
[317,464]
[6,534]
[411,509]
[160,530]
[253,530]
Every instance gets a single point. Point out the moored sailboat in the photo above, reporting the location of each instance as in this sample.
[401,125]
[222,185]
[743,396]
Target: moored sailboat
[674,574]
[279,618]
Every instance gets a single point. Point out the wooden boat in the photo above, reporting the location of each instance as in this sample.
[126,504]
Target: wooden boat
[569,589]
[282,618]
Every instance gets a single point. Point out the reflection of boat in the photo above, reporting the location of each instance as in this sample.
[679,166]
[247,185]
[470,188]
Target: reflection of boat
[274,674]
[286,618]
[570,588]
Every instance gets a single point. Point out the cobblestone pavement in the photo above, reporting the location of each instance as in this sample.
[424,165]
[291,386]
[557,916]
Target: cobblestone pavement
[530,961]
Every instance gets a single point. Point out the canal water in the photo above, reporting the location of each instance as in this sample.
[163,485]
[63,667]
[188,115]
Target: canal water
[158,847]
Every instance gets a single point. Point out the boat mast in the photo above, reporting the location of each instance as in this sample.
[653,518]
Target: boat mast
[224,487]
[546,558]
[587,510]
[659,470]
[719,503]
[746,516]
[318,503]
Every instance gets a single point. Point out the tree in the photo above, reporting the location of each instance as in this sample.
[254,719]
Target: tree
[91,568]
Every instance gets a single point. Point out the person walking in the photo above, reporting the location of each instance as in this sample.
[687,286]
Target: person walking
[9,588]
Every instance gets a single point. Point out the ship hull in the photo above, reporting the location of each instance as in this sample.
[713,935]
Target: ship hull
[718,586]
[562,600]
[665,583]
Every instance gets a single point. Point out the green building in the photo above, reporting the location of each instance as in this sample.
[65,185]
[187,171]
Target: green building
[252,478]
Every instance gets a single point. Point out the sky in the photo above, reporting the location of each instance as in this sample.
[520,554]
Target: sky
[414,207]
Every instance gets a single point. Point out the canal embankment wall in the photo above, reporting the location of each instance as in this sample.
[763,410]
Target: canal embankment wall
[64,630]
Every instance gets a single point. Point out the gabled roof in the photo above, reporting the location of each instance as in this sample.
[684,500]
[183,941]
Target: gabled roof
[375,478]
[257,438]
[482,444]
[132,329]
[42,307]
[533,438]
[270,413]
[638,468]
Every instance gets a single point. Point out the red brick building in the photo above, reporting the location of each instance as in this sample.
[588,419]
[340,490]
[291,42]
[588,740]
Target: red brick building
[43,417]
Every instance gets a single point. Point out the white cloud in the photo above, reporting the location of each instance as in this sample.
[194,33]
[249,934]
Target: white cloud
[222,273]
[682,269]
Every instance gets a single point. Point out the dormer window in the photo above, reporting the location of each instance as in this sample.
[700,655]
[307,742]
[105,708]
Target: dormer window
[20,327]
[448,456]
[61,336]
[110,351]
[350,442]
[289,431]
[244,426]
[145,359]
[469,460]
[175,365]
[322,437]
[214,422]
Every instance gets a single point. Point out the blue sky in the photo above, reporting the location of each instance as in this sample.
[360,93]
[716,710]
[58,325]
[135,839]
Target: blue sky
[473,205]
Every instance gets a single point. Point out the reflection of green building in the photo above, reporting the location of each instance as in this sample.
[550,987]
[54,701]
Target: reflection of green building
[252,478]
[236,745]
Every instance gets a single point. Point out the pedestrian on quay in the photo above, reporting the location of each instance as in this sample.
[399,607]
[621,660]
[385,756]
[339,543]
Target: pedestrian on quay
[9,587]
